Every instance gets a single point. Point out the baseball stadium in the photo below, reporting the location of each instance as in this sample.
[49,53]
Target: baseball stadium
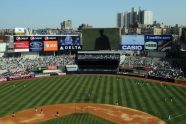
[97,76]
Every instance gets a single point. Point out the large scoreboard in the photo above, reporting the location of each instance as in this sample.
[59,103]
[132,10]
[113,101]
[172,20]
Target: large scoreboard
[47,43]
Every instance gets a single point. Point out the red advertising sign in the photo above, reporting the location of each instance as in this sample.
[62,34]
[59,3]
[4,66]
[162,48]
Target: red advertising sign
[21,46]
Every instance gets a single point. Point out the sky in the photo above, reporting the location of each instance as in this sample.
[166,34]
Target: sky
[98,13]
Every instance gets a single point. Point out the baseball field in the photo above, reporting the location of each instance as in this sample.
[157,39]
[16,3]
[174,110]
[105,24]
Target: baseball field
[166,102]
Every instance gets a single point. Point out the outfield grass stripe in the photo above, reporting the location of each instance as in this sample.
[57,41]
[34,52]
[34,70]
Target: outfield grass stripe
[178,95]
[80,90]
[115,90]
[100,89]
[53,92]
[91,86]
[74,90]
[166,106]
[95,88]
[119,96]
[69,88]
[140,99]
[40,92]
[68,83]
[107,90]
[60,97]
[39,96]
[16,91]
[131,102]
[12,90]
[104,93]
[66,89]
[18,83]
[152,105]
[174,104]
[14,101]
[111,92]
[121,91]
[9,99]
[178,101]
[158,99]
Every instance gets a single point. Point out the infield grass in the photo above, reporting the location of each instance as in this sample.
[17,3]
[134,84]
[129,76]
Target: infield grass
[78,118]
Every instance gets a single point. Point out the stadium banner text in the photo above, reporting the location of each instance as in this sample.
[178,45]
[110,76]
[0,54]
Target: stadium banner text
[132,47]
[158,37]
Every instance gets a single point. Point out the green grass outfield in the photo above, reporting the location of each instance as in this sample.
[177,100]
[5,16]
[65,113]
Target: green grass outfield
[78,119]
[152,98]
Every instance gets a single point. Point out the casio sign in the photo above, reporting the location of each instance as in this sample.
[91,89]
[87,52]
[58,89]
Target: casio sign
[151,45]
[132,47]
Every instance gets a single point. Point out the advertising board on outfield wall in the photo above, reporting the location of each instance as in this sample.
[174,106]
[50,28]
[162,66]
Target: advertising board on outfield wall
[132,42]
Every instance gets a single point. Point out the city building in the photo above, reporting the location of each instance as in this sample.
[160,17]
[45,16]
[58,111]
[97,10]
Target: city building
[83,26]
[134,18]
[66,25]
[147,18]
[120,20]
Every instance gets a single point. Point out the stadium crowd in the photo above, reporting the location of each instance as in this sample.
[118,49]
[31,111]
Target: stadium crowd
[41,61]
[160,68]
[20,67]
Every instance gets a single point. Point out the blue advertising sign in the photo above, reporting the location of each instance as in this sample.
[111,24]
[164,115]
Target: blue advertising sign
[158,37]
[132,47]
[69,43]
[132,42]
[36,44]
[69,40]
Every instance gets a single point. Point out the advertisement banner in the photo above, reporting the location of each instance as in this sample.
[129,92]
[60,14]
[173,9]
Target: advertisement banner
[158,37]
[132,42]
[69,40]
[36,44]
[164,46]
[132,47]
[164,42]
[21,38]
[21,46]
[50,38]
[19,31]
[69,43]
[73,47]
[151,45]
[50,46]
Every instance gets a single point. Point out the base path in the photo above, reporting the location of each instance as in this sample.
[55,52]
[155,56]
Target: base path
[117,114]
